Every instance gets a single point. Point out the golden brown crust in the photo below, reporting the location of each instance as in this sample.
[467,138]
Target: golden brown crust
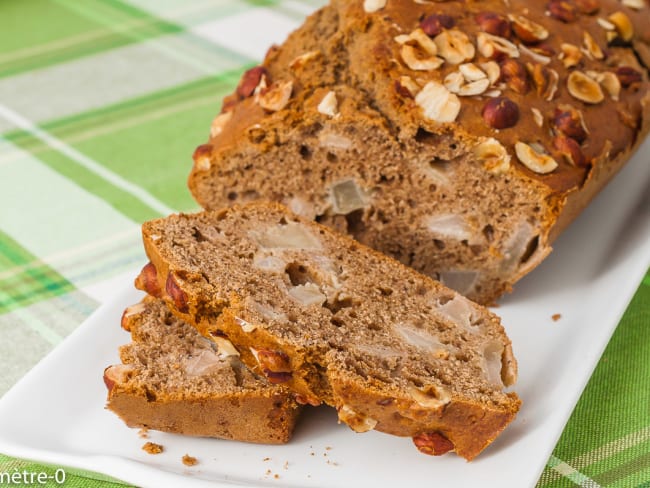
[360,56]
[245,418]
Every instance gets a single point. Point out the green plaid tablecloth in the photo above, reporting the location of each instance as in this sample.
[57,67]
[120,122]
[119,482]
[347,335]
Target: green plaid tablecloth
[101,105]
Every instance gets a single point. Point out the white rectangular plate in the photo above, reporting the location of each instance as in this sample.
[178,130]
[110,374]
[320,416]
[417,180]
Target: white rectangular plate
[56,413]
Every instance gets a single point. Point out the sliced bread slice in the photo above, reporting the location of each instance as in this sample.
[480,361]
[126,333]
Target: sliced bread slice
[338,323]
[174,380]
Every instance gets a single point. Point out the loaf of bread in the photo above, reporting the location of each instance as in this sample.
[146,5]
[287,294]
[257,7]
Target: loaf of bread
[459,137]
[337,322]
[174,380]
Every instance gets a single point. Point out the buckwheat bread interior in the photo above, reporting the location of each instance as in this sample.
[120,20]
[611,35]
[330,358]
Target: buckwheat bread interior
[458,137]
[336,322]
[174,380]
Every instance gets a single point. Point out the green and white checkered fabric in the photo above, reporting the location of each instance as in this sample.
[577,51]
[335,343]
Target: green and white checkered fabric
[101,104]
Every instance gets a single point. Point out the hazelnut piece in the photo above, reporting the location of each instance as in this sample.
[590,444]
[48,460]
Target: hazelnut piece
[588,7]
[494,23]
[570,149]
[434,24]
[584,88]
[569,122]
[628,76]
[432,443]
[177,295]
[528,31]
[623,25]
[562,10]
[535,160]
[249,81]
[147,280]
[501,113]
[514,73]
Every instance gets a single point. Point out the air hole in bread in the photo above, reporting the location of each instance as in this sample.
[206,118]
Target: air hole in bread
[530,250]
[488,232]
[232,196]
[331,157]
[305,152]
[425,137]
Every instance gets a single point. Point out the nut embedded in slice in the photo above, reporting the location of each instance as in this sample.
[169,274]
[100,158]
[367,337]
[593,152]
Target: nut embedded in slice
[356,421]
[302,60]
[329,105]
[591,47]
[570,55]
[535,161]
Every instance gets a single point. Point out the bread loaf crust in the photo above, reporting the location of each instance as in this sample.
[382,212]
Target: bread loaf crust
[359,57]
[311,369]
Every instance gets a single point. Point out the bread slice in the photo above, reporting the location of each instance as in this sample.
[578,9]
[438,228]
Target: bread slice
[339,323]
[355,123]
[174,380]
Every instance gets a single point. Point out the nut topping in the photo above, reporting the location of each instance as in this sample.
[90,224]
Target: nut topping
[609,81]
[329,104]
[407,87]
[492,46]
[546,80]
[300,61]
[528,31]
[411,59]
[570,149]
[492,70]
[584,88]
[623,25]
[434,24]
[588,7]
[514,73]
[177,295]
[493,23]
[468,81]
[276,97]
[501,113]
[634,4]
[371,6]
[201,158]
[591,47]
[219,123]
[562,10]
[433,443]
[438,103]
[454,46]
[628,76]
[535,161]
[537,117]
[493,155]
[570,55]
[569,121]
[250,80]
